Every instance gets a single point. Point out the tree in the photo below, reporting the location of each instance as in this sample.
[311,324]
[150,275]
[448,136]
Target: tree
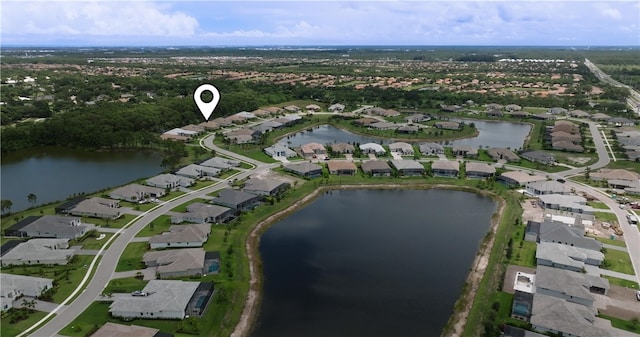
[6,204]
[199,151]
[32,198]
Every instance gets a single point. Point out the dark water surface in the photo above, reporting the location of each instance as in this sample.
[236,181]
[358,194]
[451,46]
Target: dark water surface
[56,173]
[370,263]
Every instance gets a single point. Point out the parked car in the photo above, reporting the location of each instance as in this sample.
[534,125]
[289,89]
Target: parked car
[638,295]
[139,293]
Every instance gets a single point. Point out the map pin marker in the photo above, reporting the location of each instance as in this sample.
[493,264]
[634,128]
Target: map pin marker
[206,108]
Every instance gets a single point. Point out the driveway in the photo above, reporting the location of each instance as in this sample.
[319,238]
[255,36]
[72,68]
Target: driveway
[40,305]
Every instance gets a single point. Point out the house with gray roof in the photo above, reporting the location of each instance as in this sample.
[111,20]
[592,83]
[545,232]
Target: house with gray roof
[408,129]
[578,113]
[180,236]
[39,251]
[408,167]
[236,199]
[48,226]
[195,171]
[502,154]
[279,150]
[342,148]
[547,187]
[166,300]
[417,118]
[110,329]
[558,232]
[569,285]
[383,126]
[15,286]
[567,257]
[465,151]
[372,148]
[447,125]
[518,178]
[342,168]
[336,107]
[554,315]
[266,187]
[96,208]
[170,181]
[557,111]
[199,212]
[565,145]
[404,149]
[445,168]
[479,170]
[431,149]
[266,127]
[304,169]
[376,168]
[620,121]
[220,163]
[136,193]
[567,203]
[171,263]
[537,156]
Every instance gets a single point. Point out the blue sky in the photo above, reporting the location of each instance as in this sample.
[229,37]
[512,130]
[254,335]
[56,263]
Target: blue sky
[257,23]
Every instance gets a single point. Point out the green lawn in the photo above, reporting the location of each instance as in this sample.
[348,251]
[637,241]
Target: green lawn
[171,195]
[138,207]
[94,243]
[202,183]
[131,258]
[111,223]
[618,261]
[124,285]
[620,242]
[621,282]
[8,329]
[160,224]
[228,174]
[606,217]
[622,324]
[525,255]
[597,204]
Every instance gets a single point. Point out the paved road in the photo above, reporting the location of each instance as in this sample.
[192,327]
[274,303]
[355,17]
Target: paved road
[634,96]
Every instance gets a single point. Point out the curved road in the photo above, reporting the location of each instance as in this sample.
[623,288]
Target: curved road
[110,257]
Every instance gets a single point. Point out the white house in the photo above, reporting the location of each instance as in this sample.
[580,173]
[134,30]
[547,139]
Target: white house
[166,300]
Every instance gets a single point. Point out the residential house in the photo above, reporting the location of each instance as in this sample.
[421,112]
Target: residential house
[567,203]
[557,111]
[313,108]
[498,154]
[565,145]
[48,226]
[465,151]
[265,187]
[447,125]
[494,107]
[557,232]
[245,115]
[336,108]
[194,128]
[599,117]
[543,116]
[518,178]
[179,134]
[537,156]
[404,149]
[236,199]
[210,125]
[614,174]
[376,168]
[547,187]
[578,114]
[408,167]
[110,329]
[431,149]
[16,286]
[169,181]
[279,150]
[172,263]
[136,193]
[520,114]
[620,121]
[372,148]
[39,251]
[383,126]
[417,118]
[569,285]
[242,136]
[96,208]
[180,236]
[365,121]
[304,169]
[342,168]
[513,107]
[450,108]
[479,170]
[555,315]
[199,212]
[167,299]
[292,108]
[445,168]
[220,163]
[342,148]
[195,171]
[408,129]
[567,257]
[313,150]
[261,113]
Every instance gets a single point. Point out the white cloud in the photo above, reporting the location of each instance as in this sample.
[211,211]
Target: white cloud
[95,19]
[609,12]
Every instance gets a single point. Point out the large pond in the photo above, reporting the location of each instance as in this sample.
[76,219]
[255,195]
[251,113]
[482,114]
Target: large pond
[54,174]
[490,134]
[370,263]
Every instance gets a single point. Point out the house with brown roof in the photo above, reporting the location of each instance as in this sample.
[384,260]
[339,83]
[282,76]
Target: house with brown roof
[502,154]
[313,150]
[342,148]
[383,126]
[404,149]
[408,167]
[304,169]
[445,168]
[518,178]
[342,167]
[465,151]
[479,170]
[313,107]
[365,121]
[376,168]
[292,108]
[447,125]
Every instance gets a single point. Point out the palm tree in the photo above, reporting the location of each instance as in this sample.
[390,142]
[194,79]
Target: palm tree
[32,198]
[6,204]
